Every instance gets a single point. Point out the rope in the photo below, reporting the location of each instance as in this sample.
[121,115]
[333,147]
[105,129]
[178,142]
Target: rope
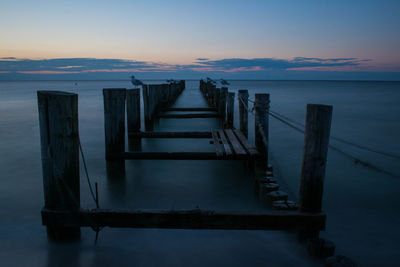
[355,159]
[299,127]
[362,147]
[87,174]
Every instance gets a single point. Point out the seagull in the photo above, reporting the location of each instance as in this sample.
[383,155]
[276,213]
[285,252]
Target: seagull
[224,82]
[210,80]
[135,81]
[171,81]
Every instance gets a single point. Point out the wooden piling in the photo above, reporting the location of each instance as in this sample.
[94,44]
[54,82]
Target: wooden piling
[243,111]
[230,110]
[133,117]
[114,121]
[133,110]
[222,103]
[261,124]
[146,108]
[59,134]
[316,140]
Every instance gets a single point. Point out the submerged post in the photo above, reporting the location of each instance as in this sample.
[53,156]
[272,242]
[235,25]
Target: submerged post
[230,110]
[316,141]
[114,122]
[243,96]
[58,120]
[261,106]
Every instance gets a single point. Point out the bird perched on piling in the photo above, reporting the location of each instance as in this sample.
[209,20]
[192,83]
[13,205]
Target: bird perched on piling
[224,82]
[210,80]
[135,81]
[171,81]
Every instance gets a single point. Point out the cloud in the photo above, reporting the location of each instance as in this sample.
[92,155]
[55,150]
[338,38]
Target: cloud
[202,58]
[97,68]
[240,64]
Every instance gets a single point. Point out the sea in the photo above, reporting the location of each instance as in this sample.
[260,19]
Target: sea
[361,187]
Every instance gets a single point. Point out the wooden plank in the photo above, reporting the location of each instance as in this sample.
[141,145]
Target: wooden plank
[189,115]
[170,135]
[237,147]
[185,219]
[180,156]
[191,109]
[218,147]
[225,143]
[245,143]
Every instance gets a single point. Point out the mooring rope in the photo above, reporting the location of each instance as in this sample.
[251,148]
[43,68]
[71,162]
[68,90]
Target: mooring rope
[94,226]
[291,123]
[95,199]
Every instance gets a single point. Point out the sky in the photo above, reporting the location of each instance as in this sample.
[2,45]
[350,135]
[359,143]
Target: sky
[275,39]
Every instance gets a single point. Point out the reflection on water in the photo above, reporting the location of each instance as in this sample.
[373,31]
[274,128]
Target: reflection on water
[361,204]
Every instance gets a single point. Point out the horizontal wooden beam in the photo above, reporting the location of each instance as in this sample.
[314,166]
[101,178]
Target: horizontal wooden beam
[189,115]
[190,109]
[170,135]
[182,156]
[186,219]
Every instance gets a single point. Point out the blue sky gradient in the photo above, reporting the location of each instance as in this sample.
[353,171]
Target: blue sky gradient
[259,39]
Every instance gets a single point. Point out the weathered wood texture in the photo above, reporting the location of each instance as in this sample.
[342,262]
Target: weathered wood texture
[236,145]
[170,135]
[59,135]
[246,145]
[261,124]
[58,119]
[316,141]
[114,121]
[133,110]
[230,110]
[190,219]
[243,97]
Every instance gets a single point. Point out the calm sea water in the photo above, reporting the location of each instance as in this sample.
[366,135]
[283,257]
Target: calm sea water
[362,204]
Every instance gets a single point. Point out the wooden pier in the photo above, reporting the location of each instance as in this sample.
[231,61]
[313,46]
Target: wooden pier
[60,156]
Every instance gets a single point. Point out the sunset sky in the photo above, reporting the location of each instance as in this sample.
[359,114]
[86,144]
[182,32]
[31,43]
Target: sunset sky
[282,39]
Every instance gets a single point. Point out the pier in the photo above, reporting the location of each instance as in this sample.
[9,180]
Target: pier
[63,214]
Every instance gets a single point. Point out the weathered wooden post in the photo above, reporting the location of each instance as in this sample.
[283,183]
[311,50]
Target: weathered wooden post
[316,141]
[59,136]
[223,95]
[133,117]
[148,124]
[114,122]
[243,97]
[261,107]
[230,110]
[133,110]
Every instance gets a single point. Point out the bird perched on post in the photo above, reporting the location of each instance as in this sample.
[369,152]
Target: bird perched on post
[135,81]
[170,81]
[224,82]
[210,80]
